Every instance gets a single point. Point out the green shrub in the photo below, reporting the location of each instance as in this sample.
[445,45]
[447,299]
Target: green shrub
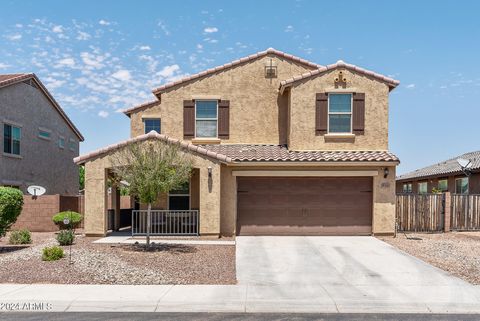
[65,237]
[11,203]
[52,253]
[74,217]
[20,237]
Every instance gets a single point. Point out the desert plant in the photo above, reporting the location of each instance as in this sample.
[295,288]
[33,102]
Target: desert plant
[152,168]
[11,203]
[74,218]
[20,237]
[52,253]
[65,237]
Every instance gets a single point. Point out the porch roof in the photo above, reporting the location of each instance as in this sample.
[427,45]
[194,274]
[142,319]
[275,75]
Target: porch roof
[280,153]
[241,153]
[153,136]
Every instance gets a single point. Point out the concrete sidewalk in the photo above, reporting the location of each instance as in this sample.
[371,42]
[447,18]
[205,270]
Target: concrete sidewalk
[237,298]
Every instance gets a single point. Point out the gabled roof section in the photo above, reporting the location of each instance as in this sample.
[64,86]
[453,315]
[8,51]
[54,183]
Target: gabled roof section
[234,63]
[153,136]
[10,79]
[140,107]
[450,166]
[392,83]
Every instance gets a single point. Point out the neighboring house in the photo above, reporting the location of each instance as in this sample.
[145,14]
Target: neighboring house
[446,176]
[281,146]
[38,140]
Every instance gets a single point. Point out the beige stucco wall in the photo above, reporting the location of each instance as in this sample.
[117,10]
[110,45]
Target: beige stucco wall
[255,103]
[96,196]
[383,212]
[302,113]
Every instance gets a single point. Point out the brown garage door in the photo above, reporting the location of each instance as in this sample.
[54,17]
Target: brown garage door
[304,205]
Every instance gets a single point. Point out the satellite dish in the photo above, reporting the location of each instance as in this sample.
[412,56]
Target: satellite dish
[464,163]
[36,190]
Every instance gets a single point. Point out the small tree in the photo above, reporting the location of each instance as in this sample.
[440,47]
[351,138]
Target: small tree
[152,168]
[11,203]
[81,177]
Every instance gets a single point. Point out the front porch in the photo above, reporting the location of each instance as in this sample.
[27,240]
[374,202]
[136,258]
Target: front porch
[192,210]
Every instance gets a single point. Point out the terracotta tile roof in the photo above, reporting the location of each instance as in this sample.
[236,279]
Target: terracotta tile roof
[6,78]
[449,166]
[339,64]
[207,72]
[140,107]
[10,79]
[274,153]
[153,135]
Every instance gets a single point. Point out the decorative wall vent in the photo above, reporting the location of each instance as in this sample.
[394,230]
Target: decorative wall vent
[270,69]
[340,81]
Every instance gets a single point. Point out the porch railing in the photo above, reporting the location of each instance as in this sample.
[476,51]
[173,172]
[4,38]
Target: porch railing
[164,222]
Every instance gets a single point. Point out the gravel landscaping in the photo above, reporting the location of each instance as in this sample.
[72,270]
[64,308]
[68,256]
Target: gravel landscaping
[457,253]
[117,264]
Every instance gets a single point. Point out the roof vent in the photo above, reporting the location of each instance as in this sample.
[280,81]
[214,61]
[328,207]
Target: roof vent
[270,69]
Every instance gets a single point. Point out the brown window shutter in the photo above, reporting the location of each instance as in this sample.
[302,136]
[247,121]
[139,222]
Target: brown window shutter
[358,113]
[224,119]
[321,113]
[188,119]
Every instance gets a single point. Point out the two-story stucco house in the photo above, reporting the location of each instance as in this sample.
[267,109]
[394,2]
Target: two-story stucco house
[282,146]
[38,140]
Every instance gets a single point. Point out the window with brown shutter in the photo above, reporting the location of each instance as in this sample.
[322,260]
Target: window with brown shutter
[188,119]
[224,119]
[321,113]
[358,113]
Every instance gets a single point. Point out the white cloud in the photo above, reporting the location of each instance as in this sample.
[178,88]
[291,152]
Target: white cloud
[83,35]
[65,62]
[3,66]
[122,75]
[53,83]
[92,61]
[168,71]
[14,37]
[57,29]
[164,28]
[103,114]
[289,28]
[145,48]
[410,86]
[104,22]
[210,29]
[18,25]
[210,40]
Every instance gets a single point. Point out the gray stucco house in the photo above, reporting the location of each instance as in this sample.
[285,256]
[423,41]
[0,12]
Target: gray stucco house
[38,140]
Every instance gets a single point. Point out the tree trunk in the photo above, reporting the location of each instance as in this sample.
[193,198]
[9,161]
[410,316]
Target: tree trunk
[149,223]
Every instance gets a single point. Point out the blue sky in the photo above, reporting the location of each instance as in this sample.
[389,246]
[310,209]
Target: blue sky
[98,57]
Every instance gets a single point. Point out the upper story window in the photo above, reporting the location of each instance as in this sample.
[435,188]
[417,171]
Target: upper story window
[206,113]
[61,142]
[340,113]
[44,134]
[407,188]
[422,188]
[71,144]
[11,139]
[152,124]
[461,185]
[443,185]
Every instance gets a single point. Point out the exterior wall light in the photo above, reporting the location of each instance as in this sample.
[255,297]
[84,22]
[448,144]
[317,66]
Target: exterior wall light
[209,168]
[385,172]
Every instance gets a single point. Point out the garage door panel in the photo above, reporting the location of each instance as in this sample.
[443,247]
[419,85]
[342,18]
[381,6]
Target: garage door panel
[304,206]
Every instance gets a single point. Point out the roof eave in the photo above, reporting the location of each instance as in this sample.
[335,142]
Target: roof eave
[49,96]
[159,90]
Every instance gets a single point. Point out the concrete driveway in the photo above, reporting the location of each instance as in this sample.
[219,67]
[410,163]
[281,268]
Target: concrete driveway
[352,273]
